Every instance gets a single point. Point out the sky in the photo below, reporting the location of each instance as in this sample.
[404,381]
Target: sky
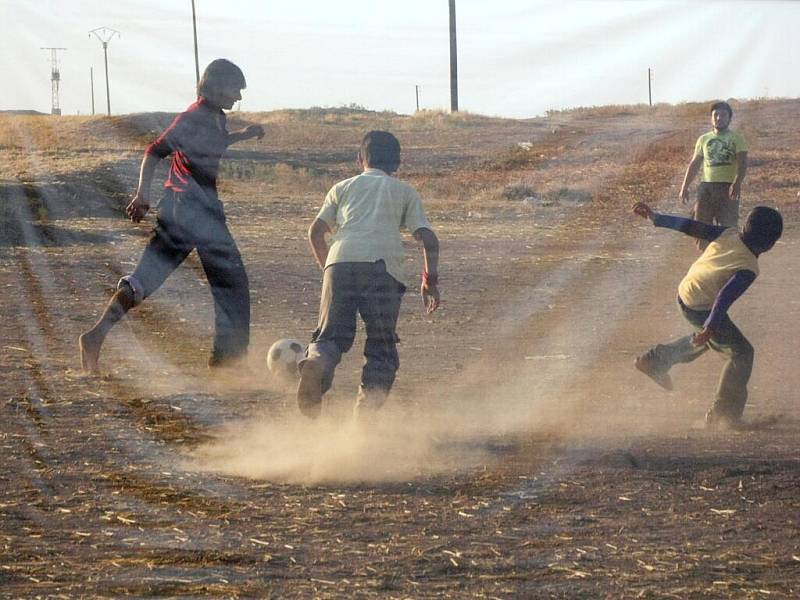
[516,58]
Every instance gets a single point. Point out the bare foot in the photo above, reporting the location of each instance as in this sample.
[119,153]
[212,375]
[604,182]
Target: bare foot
[90,344]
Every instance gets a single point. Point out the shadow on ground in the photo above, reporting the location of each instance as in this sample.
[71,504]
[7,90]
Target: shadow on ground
[30,211]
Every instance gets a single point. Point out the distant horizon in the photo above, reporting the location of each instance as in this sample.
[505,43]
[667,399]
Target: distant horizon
[358,108]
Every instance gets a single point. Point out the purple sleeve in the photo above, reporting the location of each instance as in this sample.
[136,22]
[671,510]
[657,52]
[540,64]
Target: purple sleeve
[730,292]
[690,227]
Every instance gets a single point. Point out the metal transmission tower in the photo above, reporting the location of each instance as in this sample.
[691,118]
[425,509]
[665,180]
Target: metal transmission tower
[55,80]
[104,34]
[453,59]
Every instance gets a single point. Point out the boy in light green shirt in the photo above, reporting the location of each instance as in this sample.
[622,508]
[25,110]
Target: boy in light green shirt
[722,154]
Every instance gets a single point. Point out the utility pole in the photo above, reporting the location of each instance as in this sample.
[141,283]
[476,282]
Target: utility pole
[55,80]
[104,34]
[91,85]
[650,86]
[196,57]
[453,59]
[416,89]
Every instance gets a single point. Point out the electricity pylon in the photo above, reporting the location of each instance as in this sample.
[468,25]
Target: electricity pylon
[55,80]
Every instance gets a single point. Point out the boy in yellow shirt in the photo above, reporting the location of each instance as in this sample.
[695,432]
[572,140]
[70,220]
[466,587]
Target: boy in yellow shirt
[363,274]
[722,154]
[724,271]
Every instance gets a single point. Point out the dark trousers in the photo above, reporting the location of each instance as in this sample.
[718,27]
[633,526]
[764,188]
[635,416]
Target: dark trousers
[351,289]
[729,341]
[715,207]
[185,223]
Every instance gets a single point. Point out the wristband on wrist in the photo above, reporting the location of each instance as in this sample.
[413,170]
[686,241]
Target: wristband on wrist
[429,278]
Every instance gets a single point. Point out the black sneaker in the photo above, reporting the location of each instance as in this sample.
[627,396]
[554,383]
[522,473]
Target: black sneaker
[309,390]
[646,364]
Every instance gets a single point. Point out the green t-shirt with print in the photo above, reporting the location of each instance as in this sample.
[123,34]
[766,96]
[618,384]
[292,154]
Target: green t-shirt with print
[719,152]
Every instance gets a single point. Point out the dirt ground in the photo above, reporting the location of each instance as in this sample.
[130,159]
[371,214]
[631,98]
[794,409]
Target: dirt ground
[520,454]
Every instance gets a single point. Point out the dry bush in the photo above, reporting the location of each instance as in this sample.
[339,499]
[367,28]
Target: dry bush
[439,119]
[518,191]
[682,110]
[280,175]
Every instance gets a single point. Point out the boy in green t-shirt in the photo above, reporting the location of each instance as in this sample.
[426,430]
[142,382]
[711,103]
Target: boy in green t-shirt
[363,272]
[722,153]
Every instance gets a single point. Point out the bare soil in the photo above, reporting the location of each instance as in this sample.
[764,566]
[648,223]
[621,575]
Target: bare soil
[520,454]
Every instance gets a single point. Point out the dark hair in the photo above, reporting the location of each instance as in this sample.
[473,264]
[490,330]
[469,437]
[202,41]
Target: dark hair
[722,106]
[764,226]
[381,150]
[220,73]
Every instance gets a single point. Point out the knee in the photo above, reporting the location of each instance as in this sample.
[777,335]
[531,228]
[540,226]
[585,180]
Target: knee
[131,290]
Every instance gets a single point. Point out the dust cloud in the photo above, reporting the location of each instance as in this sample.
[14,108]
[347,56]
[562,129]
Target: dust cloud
[395,446]
[401,443]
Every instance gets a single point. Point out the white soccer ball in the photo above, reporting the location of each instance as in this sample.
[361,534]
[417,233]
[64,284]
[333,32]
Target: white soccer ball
[283,357]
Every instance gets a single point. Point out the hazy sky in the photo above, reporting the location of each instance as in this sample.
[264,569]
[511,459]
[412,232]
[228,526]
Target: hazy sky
[517,58]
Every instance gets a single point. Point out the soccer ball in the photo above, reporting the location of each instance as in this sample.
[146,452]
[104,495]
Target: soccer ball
[283,357]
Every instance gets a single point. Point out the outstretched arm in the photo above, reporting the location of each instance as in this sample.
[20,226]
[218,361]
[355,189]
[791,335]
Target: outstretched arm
[316,237]
[429,288]
[730,292]
[251,131]
[690,227]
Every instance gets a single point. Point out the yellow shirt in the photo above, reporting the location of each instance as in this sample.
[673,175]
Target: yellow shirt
[708,274]
[719,152]
[368,211]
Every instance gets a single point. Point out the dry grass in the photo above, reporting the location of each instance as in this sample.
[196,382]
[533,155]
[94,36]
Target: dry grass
[610,154]
[540,464]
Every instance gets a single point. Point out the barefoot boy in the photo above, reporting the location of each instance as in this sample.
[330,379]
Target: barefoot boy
[714,282]
[362,274]
[190,217]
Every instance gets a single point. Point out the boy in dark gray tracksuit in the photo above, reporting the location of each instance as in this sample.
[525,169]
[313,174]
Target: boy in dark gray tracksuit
[190,217]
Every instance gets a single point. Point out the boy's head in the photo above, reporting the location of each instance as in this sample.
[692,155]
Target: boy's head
[763,227]
[721,115]
[221,83]
[380,150]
